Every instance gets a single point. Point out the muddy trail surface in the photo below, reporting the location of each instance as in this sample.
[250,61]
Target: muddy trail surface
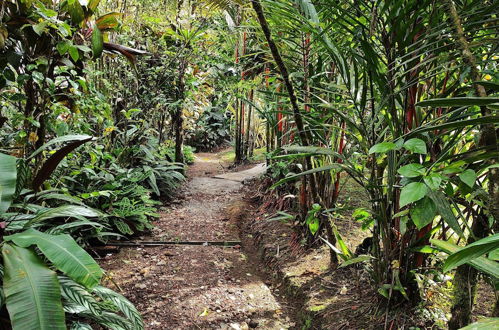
[200,286]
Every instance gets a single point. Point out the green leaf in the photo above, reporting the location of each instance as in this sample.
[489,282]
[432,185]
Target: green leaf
[481,263]
[356,260]
[64,253]
[472,251]
[73,52]
[125,306]
[346,253]
[468,177]
[32,291]
[423,212]
[40,27]
[97,42]
[92,4]
[494,255]
[311,150]
[416,146]
[382,147]
[108,21]
[65,211]
[413,192]
[443,207]
[484,324]
[61,139]
[425,249]
[84,48]
[76,12]
[458,102]
[412,170]
[63,47]
[8,177]
[335,166]
[313,224]
[77,294]
[433,181]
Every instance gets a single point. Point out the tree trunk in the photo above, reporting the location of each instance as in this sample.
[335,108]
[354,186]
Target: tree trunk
[178,117]
[466,277]
[465,282]
[303,134]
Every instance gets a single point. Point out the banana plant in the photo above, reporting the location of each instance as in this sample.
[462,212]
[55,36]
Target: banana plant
[32,289]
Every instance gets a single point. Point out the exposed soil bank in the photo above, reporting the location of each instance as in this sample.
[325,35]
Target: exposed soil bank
[323,299]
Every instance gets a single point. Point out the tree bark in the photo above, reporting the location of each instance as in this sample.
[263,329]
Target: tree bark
[466,277]
[178,117]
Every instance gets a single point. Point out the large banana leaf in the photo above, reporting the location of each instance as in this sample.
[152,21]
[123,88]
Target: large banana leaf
[8,176]
[64,253]
[32,291]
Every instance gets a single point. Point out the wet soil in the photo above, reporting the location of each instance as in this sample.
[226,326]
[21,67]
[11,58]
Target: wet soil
[200,287]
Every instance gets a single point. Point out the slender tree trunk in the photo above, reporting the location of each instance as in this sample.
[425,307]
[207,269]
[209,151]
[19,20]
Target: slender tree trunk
[246,152]
[236,133]
[178,117]
[305,140]
[466,277]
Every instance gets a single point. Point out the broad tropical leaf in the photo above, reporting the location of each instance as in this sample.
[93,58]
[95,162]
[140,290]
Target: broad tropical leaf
[423,212]
[413,192]
[8,176]
[32,291]
[415,145]
[412,170]
[382,147]
[66,211]
[97,42]
[484,324]
[64,253]
[472,251]
[481,263]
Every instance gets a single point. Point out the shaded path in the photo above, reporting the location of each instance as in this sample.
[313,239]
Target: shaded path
[199,287]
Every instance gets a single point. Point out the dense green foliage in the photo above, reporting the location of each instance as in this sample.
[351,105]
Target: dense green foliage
[103,102]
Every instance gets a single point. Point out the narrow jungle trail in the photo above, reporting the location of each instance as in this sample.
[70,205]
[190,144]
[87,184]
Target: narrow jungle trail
[199,286]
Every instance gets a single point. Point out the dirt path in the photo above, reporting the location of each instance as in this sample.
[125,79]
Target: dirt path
[199,287]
